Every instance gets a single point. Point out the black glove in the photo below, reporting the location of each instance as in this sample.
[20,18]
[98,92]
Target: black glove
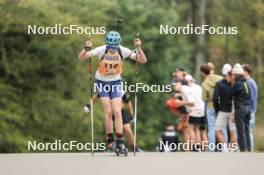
[132,119]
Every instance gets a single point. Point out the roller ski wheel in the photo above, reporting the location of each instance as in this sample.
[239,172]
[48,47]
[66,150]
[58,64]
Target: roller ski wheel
[121,150]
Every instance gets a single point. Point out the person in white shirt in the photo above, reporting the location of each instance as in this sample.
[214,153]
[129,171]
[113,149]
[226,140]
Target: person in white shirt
[194,106]
[201,134]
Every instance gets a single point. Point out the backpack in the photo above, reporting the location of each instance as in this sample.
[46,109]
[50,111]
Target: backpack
[118,50]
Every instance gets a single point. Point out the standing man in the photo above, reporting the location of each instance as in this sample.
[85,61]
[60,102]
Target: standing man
[208,87]
[254,100]
[242,101]
[222,101]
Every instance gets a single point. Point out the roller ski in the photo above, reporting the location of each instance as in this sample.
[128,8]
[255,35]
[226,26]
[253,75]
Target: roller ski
[121,148]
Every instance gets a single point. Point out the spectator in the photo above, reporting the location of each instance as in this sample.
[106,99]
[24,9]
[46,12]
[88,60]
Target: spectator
[195,108]
[211,67]
[167,138]
[254,100]
[201,135]
[241,94]
[222,101]
[179,75]
[208,86]
[174,104]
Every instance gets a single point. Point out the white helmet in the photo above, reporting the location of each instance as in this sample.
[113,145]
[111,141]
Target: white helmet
[226,68]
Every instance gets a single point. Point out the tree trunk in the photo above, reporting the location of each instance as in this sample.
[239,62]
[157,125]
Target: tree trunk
[200,52]
[259,66]
[226,49]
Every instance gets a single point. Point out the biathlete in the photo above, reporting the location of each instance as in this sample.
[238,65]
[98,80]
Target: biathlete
[108,77]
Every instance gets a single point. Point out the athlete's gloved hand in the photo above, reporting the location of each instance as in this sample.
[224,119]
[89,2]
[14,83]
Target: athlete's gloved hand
[137,42]
[132,119]
[88,44]
[87,108]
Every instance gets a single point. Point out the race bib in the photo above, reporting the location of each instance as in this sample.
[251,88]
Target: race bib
[111,63]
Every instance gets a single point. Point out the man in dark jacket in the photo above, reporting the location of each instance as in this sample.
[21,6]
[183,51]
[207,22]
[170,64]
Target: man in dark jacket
[222,101]
[241,94]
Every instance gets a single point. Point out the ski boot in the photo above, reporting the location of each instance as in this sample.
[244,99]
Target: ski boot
[121,148]
[110,144]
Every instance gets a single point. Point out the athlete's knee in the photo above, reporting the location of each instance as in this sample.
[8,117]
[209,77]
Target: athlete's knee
[117,112]
[107,110]
[108,114]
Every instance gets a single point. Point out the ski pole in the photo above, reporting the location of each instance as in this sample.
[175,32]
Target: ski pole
[90,69]
[135,105]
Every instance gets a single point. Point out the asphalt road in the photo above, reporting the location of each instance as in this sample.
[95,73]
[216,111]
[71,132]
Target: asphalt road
[143,163]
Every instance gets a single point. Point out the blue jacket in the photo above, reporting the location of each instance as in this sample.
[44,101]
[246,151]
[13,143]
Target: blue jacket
[253,94]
